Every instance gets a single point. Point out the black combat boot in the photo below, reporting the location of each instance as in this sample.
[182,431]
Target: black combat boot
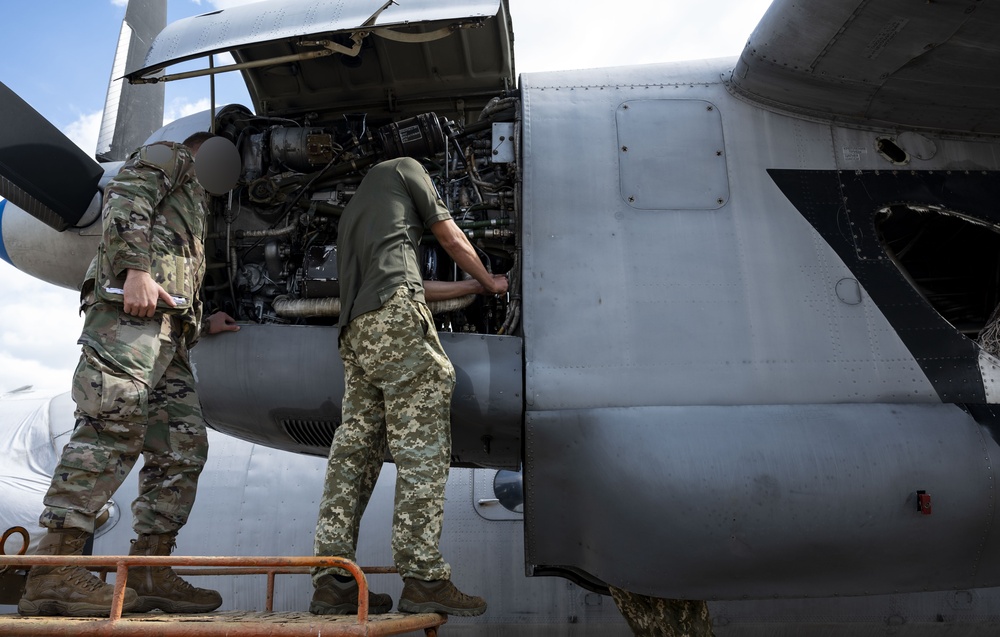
[333,597]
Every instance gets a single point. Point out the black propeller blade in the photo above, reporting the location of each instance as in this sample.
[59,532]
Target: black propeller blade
[41,170]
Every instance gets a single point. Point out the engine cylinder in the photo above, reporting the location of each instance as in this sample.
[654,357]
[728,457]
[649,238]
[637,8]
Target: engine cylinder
[301,148]
[419,136]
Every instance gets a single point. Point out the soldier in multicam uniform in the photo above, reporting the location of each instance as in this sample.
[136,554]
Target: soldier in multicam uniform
[399,383]
[134,389]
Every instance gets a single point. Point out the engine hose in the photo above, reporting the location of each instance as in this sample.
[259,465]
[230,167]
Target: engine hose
[451,305]
[304,308]
[496,104]
[330,306]
[267,232]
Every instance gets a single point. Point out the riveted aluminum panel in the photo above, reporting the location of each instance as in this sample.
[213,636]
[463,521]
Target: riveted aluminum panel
[672,155]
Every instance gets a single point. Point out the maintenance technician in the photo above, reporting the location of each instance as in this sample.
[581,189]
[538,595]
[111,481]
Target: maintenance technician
[398,387]
[134,389]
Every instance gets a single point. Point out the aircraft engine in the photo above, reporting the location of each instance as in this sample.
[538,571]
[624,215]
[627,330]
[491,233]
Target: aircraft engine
[272,249]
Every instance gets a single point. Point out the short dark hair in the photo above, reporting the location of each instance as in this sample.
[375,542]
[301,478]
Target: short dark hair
[194,141]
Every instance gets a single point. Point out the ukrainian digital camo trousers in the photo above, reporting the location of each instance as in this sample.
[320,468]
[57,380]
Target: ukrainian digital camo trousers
[134,393]
[658,617]
[398,387]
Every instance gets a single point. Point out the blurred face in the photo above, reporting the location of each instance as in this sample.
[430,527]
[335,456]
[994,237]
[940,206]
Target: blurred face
[217,164]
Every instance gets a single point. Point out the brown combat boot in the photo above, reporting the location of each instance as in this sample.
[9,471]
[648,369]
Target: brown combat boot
[72,591]
[160,587]
[438,596]
[333,597]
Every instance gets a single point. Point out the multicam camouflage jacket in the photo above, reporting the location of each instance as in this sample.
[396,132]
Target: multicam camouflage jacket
[154,220]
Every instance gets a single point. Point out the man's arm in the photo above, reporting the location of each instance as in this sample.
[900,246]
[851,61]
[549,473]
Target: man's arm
[131,199]
[447,290]
[457,245]
[129,213]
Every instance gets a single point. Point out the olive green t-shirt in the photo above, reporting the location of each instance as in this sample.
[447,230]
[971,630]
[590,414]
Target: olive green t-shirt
[379,232]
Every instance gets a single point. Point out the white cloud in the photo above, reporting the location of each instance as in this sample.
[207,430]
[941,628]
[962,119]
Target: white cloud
[85,130]
[40,327]
[180,107]
[18,372]
[557,34]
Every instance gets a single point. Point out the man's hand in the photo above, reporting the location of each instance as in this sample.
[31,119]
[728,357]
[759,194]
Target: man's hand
[499,284]
[222,322]
[140,293]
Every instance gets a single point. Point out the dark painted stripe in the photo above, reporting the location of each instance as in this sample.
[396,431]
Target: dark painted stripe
[988,416]
[3,248]
[841,205]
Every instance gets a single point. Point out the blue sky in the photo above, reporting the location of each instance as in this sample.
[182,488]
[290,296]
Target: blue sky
[58,55]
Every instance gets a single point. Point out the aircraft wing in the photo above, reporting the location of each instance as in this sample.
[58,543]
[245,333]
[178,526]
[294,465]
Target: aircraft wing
[929,65]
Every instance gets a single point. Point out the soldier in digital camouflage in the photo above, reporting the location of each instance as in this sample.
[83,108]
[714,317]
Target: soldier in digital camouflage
[134,388]
[398,387]
[659,617]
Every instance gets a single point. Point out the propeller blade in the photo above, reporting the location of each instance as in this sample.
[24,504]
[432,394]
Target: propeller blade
[41,170]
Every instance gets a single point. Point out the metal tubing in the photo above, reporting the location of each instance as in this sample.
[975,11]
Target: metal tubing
[260,570]
[269,605]
[121,575]
[362,598]
[25,539]
[229,67]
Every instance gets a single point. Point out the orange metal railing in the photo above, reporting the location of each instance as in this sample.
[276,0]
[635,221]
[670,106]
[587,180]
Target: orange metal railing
[121,564]
[212,623]
[270,572]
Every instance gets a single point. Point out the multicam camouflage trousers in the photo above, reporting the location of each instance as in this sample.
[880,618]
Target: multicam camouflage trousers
[134,393]
[398,387]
